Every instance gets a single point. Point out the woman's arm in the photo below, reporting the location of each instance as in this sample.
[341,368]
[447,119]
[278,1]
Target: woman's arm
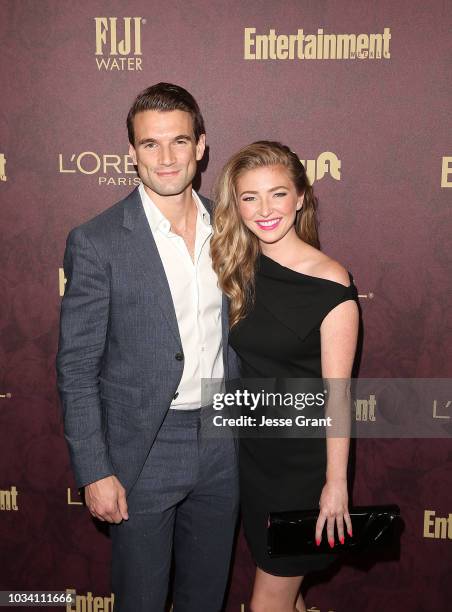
[338,333]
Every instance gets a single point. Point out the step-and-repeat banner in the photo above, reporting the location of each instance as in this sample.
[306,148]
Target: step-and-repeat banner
[360,90]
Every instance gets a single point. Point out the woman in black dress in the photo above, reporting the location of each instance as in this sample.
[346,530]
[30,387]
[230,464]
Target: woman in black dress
[293,314]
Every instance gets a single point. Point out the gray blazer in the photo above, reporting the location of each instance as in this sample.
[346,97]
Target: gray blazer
[120,358]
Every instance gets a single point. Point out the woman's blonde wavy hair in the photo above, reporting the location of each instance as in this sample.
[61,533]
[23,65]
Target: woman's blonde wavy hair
[234,248]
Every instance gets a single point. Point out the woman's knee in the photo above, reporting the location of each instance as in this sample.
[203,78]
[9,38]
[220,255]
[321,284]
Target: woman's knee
[272,602]
[259,604]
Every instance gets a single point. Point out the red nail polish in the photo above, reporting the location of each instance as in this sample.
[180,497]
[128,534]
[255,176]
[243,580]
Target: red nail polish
[350,533]
[342,539]
[331,542]
[317,541]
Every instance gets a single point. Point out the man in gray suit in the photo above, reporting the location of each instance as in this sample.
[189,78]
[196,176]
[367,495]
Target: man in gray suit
[142,323]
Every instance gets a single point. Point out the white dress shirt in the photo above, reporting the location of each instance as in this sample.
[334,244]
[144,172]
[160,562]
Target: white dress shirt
[196,298]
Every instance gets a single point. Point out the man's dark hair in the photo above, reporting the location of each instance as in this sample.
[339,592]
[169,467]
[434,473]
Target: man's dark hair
[166,97]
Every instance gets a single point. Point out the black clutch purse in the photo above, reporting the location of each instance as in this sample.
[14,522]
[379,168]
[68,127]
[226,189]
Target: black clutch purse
[293,533]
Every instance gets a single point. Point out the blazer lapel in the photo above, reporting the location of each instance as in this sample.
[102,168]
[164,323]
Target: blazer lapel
[143,243]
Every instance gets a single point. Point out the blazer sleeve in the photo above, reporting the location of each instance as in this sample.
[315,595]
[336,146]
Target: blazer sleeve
[83,329]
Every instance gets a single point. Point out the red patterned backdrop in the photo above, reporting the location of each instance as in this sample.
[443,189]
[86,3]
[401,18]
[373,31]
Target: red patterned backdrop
[372,131]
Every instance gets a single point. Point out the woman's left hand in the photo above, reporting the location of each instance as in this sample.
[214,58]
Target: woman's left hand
[333,509]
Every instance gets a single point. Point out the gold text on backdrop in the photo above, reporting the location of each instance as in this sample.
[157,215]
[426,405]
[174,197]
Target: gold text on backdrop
[118,53]
[301,46]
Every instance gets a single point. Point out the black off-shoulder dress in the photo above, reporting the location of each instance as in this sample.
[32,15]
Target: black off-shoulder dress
[280,337]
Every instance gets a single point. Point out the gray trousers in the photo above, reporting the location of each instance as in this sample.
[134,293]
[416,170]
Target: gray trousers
[183,506]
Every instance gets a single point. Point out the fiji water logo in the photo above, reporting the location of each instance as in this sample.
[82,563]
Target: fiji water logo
[118,43]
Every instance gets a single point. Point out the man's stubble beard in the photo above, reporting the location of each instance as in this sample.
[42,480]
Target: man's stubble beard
[163,190]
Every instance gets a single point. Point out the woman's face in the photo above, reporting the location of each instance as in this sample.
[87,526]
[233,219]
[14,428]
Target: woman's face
[268,202]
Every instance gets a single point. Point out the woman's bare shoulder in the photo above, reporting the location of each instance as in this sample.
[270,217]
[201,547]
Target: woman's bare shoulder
[326,267]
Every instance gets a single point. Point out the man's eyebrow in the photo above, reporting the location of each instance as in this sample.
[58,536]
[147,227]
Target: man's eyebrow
[269,191]
[184,136]
[179,137]
[146,140]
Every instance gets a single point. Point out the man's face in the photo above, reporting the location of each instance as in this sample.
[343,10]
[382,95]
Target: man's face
[165,150]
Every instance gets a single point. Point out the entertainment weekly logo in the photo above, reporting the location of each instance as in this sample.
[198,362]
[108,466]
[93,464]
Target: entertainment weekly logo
[118,43]
[90,602]
[2,167]
[446,172]
[8,499]
[437,527]
[319,46]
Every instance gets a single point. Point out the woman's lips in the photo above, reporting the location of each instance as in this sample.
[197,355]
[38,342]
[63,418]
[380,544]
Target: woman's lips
[268,225]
